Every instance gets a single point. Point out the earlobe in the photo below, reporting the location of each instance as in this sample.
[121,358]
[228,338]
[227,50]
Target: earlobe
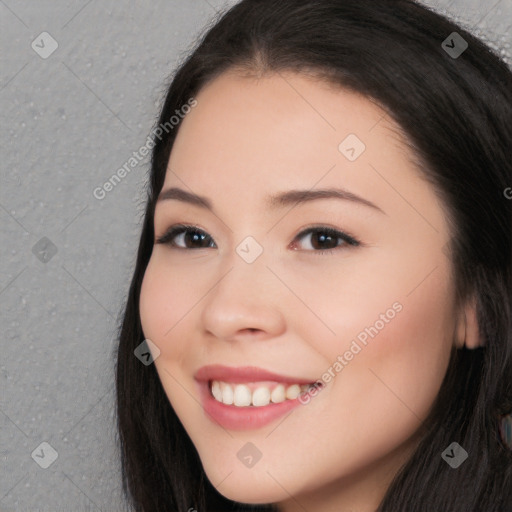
[468,334]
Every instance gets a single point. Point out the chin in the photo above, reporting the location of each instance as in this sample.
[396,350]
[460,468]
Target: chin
[244,487]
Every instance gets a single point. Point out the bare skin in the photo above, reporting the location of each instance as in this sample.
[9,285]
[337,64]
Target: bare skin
[294,310]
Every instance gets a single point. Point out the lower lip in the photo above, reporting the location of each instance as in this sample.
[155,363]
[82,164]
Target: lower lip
[242,418]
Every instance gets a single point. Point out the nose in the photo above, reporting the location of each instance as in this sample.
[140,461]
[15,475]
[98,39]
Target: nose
[246,301]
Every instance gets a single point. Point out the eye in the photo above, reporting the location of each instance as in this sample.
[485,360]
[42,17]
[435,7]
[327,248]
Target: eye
[186,234]
[324,239]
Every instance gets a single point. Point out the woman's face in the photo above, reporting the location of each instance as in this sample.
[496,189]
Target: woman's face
[250,286]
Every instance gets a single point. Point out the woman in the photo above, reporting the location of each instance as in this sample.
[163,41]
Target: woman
[323,280]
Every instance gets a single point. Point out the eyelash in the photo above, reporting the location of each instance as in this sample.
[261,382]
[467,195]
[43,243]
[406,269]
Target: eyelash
[178,229]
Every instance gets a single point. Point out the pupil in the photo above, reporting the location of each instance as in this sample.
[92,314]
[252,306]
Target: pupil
[194,236]
[323,238]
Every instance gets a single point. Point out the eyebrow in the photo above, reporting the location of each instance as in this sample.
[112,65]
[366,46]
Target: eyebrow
[280,200]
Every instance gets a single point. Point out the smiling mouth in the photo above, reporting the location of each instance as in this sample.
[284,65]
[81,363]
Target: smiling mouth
[256,394]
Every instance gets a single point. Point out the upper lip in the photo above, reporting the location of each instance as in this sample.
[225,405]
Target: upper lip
[243,374]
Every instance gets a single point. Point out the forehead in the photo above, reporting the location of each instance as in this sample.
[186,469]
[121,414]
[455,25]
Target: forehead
[287,105]
[251,134]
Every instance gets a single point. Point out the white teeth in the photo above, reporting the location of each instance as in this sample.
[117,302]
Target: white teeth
[216,391]
[240,395]
[261,396]
[292,392]
[278,394]
[227,394]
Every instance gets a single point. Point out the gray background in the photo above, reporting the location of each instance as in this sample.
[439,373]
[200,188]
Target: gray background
[68,122]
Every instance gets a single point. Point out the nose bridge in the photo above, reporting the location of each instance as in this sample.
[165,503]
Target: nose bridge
[244,295]
[244,278]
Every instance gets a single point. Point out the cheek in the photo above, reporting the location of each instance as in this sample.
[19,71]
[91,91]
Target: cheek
[415,346]
[396,375]
[391,380]
[165,299]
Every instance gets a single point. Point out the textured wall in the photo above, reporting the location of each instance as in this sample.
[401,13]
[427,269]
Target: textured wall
[70,119]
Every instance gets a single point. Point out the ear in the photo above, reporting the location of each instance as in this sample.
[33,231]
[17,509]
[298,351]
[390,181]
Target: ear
[467,332]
